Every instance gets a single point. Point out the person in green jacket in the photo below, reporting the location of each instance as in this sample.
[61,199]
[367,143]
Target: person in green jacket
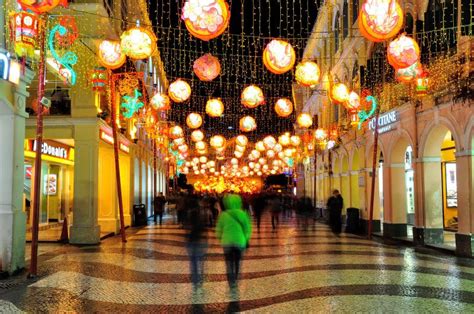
[233,229]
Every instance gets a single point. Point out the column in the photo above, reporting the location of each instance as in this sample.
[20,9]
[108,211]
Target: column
[395,200]
[465,180]
[376,224]
[85,229]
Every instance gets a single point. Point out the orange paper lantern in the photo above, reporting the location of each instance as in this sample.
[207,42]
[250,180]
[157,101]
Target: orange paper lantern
[284,107]
[320,134]
[241,140]
[214,108]
[137,43]
[279,56]
[247,124]
[307,73]
[207,67]
[380,20]
[339,93]
[206,19]
[353,102]
[194,120]
[197,136]
[218,141]
[403,52]
[41,6]
[304,120]
[110,54]
[160,102]
[176,132]
[179,91]
[252,96]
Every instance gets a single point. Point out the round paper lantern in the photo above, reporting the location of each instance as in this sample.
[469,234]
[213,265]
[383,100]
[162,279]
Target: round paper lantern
[239,148]
[25,27]
[137,43]
[339,93]
[110,54]
[202,152]
[214,108]
[241,140]
[406,75]
[284,140]
[252,96]
[295,140]
[269,142]
[206,19]
[380,20]
[307,73]
[176,132]
[207,67]
[194,120]
[197,136]
[203,159]
[320,134]
[160,102]
[41,6]
[183,148]
[255,154]
[278,148]
[284,107]
[260,146]
[288,152]
[178,141]
[238,154]
[247,124]
[179,91]
[201,145]
[270,154]
[403,52]
[304,120]
[353,103]
[279,56]
[218,141]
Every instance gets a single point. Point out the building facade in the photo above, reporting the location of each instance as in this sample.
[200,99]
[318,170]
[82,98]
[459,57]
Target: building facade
[424,166]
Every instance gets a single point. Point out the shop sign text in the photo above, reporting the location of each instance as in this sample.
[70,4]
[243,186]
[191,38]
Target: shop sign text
[53,149]
[386,122]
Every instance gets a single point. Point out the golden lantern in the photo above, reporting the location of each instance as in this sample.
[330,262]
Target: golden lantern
[279,56]
[320,134]
[284,107]
[304,120]
[238,154]
[203,159]
[197,136]
[160,102]
[201,145]
[241,140]
[240,148]
[278,148]
[183,148]
[179,141]
[194,120]
[403,52]
[255,154]
[260,146]
[269,142]
[270,154]
[252,96]
[234,161]
[353,102]
[110,54]
[218,141]
[380,20]
[206,19]
[207,67]
[307,73]
[176,132]
[339,92]
[422,84]
[295,140]
[179,91]
[138,43]
[214,108]
[247,124]
[288,152]
[202,152]
[262,161]
[284,139]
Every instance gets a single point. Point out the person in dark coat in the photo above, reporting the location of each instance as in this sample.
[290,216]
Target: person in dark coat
[258,206]
[335,205]
[159,207]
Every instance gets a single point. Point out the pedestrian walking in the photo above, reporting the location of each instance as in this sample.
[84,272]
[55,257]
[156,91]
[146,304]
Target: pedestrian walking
[335,205]
[274,204]
[258,207]
[159,207]
[233,229]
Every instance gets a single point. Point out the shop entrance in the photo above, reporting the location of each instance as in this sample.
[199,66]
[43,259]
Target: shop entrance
[410,191]
[380,189]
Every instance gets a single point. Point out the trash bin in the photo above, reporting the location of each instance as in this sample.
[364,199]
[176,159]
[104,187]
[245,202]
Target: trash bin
[352,225]
[139,215]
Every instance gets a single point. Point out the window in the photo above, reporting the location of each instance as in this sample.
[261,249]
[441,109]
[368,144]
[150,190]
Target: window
[355,10]
[409,24]
[337,27]
[345,19]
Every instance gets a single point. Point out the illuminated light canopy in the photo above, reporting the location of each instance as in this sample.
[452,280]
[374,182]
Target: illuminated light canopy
[252,96]
[207,19]
[218,141]
[25,27]
[179,91]
[207,67]
[194,120]
[41,6]
[241,140]
[197,136]
[247,124]
[407,75]
[137,43]
[304,120]
[110,54]
[176,132]
[307,73]
[284,107]
[279,56]
[214,108]
[295,140]
[403,52]
[380,20]
[160,102]
[340,93]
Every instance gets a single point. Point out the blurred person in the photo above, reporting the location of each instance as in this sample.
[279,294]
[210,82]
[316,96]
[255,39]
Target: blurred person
[159,207]
[195,223]
[335,205]
[233,230]
[258,207]
[181,207]
[274,204]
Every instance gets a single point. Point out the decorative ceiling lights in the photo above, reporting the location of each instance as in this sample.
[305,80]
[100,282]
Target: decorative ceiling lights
[207,67]
[247,124]
[110,54]
[214,108]
[380,20]
[304,120]
[206,19]
[160,102]
[284,107]
[194,120]
[403,52]
[137,43]
[252,96]
[279,56]
[307,73]
[179,91]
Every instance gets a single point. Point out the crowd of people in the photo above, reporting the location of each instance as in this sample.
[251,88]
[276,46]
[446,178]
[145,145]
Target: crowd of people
[230,215]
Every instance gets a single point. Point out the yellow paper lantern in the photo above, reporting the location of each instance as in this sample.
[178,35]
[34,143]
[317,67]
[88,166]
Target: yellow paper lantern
[260,146]
[206,19]
[201,145]
[183,148]
[176,132]
[197,136]
[194,120]
[304,120]
[269,142]
[255,154]
[240,148]
[279,56]
[320,134]
[284,139]
[284,107]
[202,152]
[247,124]
[340,93]
[307,73]
[238,154]
[207,67]
[295,140]
[179,91]
[214,108]
[270,154]
[179,141]
[110,54]
[40,7]
[218,141]
[241,140]
[138,43]
[160,102]
[252,96]
[353,103]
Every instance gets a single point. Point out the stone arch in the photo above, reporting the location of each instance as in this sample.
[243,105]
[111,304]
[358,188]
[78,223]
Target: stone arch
[469,135]
[427,147]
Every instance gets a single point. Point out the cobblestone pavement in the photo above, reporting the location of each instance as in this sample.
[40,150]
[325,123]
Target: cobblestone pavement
[288,271]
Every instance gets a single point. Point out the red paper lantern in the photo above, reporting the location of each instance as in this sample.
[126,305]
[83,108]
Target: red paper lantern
[403,52]
[207,67]
[99,79]
[380,20]
[206,19]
